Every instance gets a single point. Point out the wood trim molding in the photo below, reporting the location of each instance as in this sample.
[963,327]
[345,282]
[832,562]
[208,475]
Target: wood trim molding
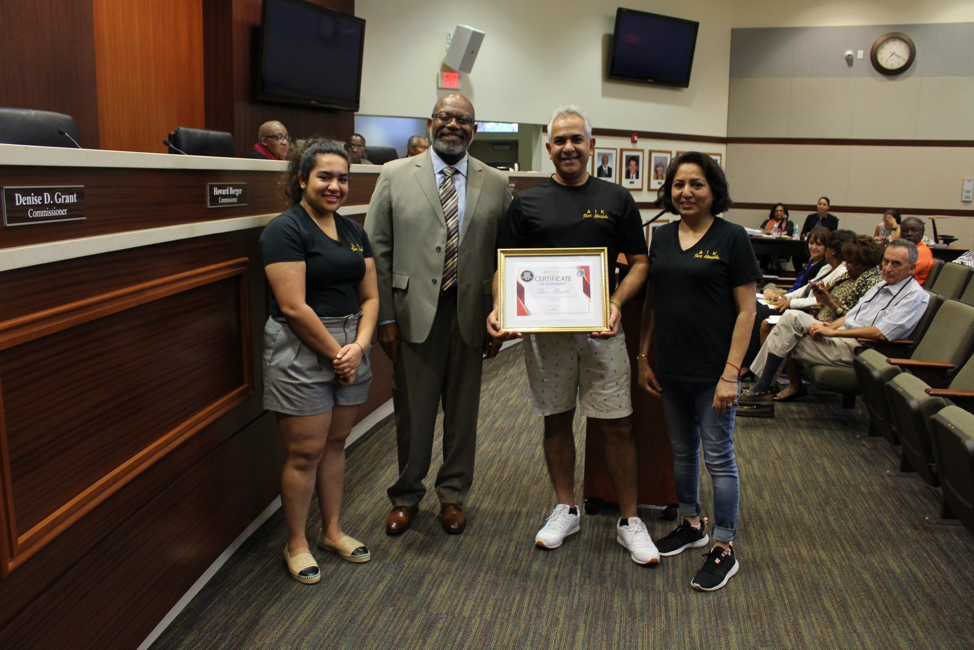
[858,209]
[658,135]
[852,142]
[16,546]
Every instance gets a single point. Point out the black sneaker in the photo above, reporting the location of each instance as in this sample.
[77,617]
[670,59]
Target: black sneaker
[685,536]
[719,567]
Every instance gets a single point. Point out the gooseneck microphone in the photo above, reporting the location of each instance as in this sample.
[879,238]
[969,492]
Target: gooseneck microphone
[68,136]
[174,147]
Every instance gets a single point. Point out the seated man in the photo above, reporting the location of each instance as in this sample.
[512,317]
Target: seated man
[355,146]
[272,142]
[416,145]
[888,311]
[911,229]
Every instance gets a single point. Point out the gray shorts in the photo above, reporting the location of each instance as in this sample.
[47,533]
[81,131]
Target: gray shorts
[565,367]
[298,381]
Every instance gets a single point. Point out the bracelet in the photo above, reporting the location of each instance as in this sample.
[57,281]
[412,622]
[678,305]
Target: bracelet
[616,303]
[642,356]
[359,347]
[732,381]
[737,368]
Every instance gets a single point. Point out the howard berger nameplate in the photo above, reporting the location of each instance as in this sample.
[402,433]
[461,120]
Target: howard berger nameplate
[23,206]
[226,195]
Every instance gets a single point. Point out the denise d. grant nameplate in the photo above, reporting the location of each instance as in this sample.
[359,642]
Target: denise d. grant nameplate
[553,289]
[226,195]
[24,206]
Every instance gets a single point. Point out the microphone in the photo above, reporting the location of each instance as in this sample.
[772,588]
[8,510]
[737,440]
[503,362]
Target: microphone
[68,136]
[174,147]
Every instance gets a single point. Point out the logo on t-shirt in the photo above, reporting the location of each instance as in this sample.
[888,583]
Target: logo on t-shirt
[595,214]
[357,249]
[709,255]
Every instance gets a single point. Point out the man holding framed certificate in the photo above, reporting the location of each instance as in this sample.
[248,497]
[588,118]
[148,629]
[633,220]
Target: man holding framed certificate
[571,218]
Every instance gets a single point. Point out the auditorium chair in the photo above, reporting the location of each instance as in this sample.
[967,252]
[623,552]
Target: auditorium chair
[968,295]
[201,142]
[944,346]
[37,128]
[934,272]
[911,403]
[380,155]
[844,380]
[951,281]
[953,434]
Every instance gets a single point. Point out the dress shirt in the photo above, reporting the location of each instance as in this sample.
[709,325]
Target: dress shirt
[893,309]
[459,181]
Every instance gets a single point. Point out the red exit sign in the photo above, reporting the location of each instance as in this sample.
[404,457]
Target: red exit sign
[448,80]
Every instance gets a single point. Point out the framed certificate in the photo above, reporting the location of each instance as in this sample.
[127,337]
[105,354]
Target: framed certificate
[553,289]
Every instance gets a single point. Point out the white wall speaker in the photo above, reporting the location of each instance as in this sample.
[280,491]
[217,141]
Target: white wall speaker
[464,48]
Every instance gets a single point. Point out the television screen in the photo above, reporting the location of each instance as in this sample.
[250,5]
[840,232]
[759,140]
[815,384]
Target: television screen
[310,55]
[652,49]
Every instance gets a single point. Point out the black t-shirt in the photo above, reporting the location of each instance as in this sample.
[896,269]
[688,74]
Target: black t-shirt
[695,309]
[333,269]
[596,214]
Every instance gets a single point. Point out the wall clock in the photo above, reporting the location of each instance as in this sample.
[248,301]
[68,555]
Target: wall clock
[893,53]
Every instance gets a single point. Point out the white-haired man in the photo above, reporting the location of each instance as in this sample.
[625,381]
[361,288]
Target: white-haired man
[573,209]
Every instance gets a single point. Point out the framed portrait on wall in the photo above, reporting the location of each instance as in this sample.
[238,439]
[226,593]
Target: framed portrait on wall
[658,162]
[716,156]
[604,163]
[632,169]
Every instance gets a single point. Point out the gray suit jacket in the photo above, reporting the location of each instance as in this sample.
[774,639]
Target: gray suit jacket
[407,230]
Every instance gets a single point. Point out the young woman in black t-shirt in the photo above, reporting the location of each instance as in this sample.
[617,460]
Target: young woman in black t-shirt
[316,370]
[699,310]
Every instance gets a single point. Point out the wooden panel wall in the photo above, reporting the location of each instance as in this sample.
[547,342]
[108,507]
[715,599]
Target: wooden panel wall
[133,440]
[47,60]
[149,57]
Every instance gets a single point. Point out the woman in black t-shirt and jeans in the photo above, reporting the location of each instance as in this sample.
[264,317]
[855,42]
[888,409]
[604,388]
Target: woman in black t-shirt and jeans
[698,315]
[316,368]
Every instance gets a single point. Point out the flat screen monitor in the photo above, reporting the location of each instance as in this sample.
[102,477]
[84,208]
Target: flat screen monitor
[310,55]
[652,49]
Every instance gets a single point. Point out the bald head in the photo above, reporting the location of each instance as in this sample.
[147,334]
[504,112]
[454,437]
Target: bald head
[274,136]
[452,127]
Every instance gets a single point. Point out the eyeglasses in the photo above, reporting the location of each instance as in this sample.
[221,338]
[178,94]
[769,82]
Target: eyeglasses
[280,138]
[446,118]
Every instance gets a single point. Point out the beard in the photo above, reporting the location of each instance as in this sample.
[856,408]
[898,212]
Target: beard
[442,147]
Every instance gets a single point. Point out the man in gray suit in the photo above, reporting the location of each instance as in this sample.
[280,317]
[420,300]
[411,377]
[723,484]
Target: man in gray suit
[433,223]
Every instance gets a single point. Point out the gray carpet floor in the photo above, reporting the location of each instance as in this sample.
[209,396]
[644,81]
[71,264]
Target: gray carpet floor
[834,554]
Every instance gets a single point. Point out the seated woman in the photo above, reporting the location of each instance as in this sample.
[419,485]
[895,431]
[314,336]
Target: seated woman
[778,223]
[889,228]
[861,256]
[824,256]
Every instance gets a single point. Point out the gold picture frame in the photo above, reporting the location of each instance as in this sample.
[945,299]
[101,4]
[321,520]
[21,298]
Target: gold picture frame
[553,289]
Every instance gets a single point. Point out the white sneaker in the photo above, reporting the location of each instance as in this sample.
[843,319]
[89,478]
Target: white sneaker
[560,525]
[636,539]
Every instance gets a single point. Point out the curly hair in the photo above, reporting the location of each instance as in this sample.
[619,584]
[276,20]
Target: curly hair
[862,250]
[715,178]
[302,160]
[837,240]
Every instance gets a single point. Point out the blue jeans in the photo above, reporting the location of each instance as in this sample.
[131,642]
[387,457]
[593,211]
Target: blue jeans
[690,416]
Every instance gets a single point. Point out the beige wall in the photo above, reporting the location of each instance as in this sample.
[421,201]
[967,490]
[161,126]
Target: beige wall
[804,13]
[536,56]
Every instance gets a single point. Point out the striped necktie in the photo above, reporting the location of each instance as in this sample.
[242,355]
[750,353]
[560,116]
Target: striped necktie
[451,211]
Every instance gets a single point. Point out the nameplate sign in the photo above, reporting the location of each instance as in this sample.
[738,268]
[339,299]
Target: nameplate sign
[24,206]
[226,195]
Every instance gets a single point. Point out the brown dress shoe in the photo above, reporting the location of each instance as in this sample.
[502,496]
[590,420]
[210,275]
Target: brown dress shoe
[452,518]
[400,519]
